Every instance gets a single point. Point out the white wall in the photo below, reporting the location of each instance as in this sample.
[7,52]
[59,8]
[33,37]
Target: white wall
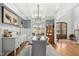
[16,10]
[68,18]
[76,17]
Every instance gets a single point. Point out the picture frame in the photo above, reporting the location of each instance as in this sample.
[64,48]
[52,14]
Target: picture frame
[26,23]
[8,17]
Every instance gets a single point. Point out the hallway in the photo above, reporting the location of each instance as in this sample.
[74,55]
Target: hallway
[47,29]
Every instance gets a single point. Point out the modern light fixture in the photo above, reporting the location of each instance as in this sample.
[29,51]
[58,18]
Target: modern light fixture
[37,17]
[37,25]
[38,10]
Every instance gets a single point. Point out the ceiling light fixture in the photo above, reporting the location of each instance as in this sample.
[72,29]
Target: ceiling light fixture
[38,10]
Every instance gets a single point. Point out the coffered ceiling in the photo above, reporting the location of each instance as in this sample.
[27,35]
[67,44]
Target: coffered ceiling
[46,10]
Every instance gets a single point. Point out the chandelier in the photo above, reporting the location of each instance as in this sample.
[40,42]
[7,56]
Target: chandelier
[37,25]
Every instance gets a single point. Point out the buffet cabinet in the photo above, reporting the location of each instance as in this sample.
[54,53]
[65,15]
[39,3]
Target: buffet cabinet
[8,46]
[61,30]
[12,47]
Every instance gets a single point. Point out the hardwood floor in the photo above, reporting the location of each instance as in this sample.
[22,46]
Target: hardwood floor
[67,48]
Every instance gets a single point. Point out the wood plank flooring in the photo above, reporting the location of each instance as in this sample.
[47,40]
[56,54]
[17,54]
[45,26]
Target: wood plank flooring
[67,48]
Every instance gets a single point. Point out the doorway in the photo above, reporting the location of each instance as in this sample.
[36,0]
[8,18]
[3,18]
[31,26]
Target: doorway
[50,31]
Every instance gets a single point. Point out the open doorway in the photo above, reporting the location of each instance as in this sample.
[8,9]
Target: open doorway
[50,31]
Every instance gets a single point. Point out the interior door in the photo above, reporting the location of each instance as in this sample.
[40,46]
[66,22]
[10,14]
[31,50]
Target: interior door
[50,32]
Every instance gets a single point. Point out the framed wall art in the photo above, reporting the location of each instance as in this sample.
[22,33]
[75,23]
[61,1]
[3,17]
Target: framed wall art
[26,23]
[15,20]
[8,17]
